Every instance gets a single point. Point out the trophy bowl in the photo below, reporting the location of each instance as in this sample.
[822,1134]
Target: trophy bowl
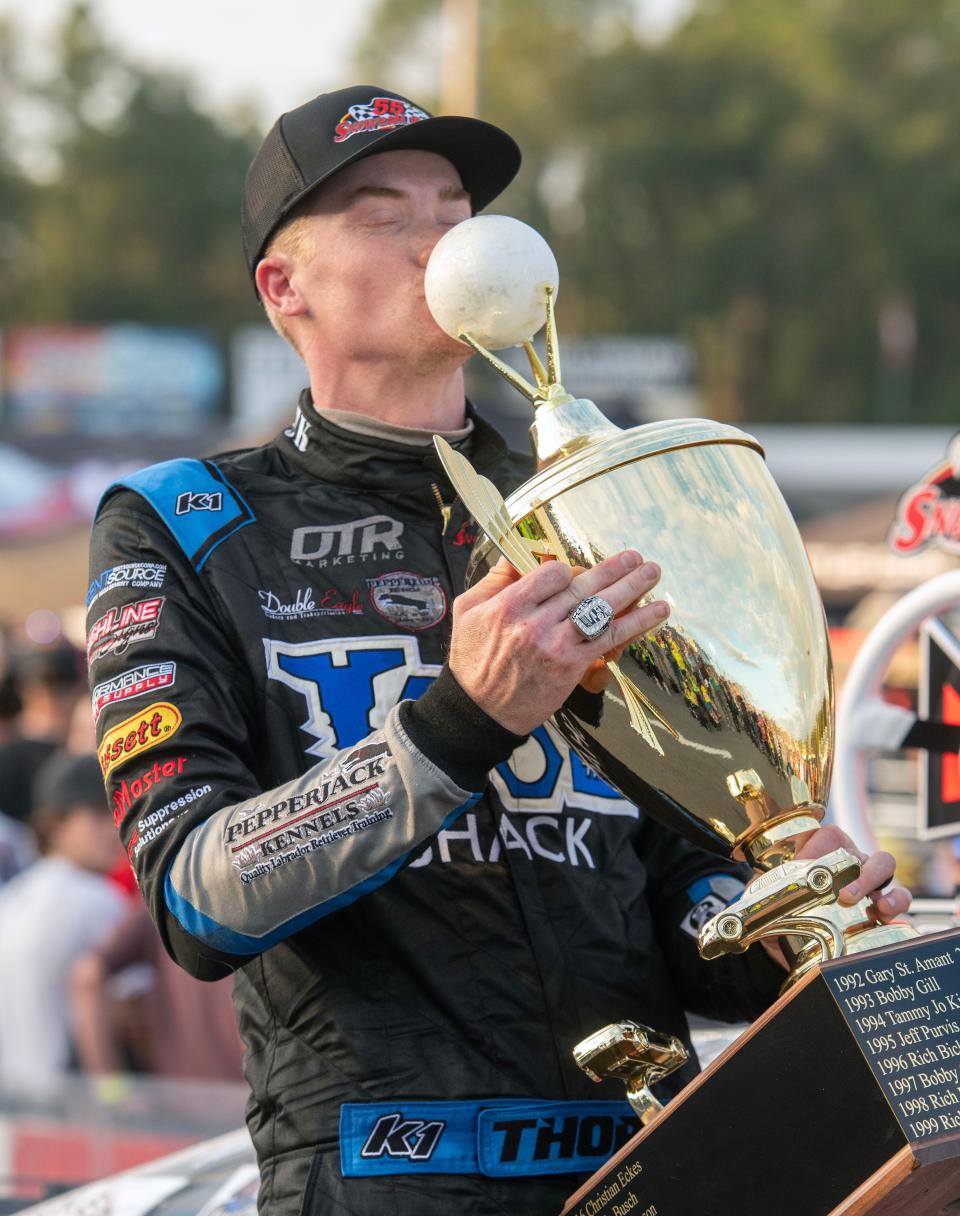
[738,680]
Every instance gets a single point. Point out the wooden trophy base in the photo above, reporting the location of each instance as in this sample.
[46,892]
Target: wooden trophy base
[843,1099]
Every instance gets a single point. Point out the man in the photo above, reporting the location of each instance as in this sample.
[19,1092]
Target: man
[337,783]
[50,914]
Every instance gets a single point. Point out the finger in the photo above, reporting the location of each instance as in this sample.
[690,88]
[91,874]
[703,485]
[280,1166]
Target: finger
[888,905]
[497,579]
[597,676]
[631,625]
[622,580]
[825,840]
[877,871]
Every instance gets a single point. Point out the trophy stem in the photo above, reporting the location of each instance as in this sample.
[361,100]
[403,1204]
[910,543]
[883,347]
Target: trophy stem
[553,344]
[519,383]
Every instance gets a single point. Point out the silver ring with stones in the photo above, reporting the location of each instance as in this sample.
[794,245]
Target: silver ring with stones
[592,616]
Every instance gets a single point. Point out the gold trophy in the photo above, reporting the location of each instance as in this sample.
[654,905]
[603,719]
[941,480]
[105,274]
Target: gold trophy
[720,722]
[638,1056]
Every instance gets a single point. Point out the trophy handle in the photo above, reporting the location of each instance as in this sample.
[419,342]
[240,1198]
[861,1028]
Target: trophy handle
[486,504]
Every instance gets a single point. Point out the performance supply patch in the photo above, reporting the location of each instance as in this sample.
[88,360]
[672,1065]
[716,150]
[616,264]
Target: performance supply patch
[124,626]
[136,682]
[157,724]
[508,1137]
[411,601]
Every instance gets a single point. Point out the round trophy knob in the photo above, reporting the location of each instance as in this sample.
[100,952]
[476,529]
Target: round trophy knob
[487,277]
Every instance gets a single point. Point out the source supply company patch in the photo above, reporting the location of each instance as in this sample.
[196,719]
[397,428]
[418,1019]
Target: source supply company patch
[130,574]
[409,600]
[158,723]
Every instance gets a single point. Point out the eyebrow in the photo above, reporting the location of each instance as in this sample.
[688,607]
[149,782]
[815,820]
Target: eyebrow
[446,194]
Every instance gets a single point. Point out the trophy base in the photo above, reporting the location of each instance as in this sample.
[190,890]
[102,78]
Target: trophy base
[859,931]
[841,1100]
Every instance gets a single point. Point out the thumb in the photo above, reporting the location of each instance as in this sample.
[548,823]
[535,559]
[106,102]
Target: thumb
[497,579]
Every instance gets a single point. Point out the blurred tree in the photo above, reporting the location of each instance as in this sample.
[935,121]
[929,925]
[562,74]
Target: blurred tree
[139,220]
[777,182]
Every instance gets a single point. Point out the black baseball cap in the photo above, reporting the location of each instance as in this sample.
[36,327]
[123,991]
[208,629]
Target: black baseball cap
[308,145]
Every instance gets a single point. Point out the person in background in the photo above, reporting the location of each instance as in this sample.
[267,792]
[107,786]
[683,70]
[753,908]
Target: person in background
[187,1027]
[47,680]
[51,914]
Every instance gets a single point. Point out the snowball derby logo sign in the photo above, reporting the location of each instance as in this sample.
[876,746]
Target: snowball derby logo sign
[377,114]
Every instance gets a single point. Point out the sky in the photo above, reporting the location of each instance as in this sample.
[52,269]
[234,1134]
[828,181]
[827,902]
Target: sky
[234,54]
[226,45]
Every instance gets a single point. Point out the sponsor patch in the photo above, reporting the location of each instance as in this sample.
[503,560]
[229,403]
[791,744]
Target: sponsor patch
[130,574]
[191,500]
[128,792]
[299,433]
[136,682]
[411,601]
[928,514]
[157,822]
[466,535]
[124,626]
[337,789]
[710,895]
[377,114]
[158,723]
[376,538]
[305,605]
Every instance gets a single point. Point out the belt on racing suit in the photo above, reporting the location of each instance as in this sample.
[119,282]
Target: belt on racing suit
[497,1137]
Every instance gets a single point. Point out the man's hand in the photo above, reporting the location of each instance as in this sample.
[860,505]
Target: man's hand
[886,902]
[878,869]
[514,649]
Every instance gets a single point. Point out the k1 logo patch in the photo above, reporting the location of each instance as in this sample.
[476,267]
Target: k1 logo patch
[411,601]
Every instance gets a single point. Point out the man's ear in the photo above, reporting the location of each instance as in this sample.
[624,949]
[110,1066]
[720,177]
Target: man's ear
[274,277]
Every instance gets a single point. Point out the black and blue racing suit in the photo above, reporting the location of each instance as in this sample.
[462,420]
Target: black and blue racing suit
[424,913]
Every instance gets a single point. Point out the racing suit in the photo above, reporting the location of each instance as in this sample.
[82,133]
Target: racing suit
[424,912]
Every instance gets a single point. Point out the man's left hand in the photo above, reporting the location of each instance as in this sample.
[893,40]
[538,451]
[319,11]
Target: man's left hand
[877,870]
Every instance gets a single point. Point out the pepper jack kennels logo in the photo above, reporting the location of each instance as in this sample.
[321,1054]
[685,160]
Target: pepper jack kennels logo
[136,734]
[412,601]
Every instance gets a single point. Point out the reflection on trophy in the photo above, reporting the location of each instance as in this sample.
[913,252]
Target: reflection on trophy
[720,723]
[639,1056]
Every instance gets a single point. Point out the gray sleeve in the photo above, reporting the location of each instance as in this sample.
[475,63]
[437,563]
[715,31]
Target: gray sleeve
[257,871]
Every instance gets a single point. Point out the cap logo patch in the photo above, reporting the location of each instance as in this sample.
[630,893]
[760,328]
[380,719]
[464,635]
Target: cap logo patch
[377,114]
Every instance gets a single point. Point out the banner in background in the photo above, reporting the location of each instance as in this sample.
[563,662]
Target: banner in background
[110,380]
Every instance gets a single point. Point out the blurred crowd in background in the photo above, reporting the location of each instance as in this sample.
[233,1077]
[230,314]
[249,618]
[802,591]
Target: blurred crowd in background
[86,983]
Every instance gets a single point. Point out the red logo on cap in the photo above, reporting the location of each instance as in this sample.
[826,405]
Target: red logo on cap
[377,114]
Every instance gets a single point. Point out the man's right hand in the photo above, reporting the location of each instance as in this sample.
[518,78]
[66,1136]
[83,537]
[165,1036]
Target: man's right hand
[514,649]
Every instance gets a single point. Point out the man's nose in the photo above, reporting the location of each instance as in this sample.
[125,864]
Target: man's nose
[428,238]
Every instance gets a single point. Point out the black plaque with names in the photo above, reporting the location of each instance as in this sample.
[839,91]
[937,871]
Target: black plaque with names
[902,1005]
[846,1091]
